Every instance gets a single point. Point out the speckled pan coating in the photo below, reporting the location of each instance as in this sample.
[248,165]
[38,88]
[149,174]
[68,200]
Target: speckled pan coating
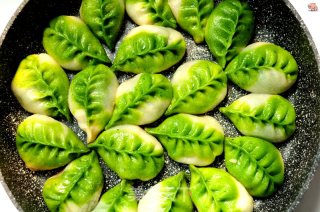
[276,21]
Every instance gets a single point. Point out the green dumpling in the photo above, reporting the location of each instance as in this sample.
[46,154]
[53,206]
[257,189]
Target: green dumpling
[192,16]
[263,68]
[255,163]
[198,87]
[44,143]
[171,194]
[120,198]
[76,188]
[41,86]
[214,189]
[150,49]
[150,12]
[229,29]
[270,117]
[71,43]
[91,98]
[190,139]
[141,100]
[104,18]
[130,152]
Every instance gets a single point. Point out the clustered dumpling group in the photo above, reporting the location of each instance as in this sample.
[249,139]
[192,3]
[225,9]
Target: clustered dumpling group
[119,117]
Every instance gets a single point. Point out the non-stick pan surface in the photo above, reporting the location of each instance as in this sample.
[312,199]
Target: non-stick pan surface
[276,21]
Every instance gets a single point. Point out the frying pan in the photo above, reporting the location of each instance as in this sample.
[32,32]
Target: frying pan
[276,21]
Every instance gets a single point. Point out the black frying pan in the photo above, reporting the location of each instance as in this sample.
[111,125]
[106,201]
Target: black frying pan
[276,21]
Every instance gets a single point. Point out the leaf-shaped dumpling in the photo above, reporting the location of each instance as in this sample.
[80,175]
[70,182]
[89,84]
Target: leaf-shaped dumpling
[229,29]
[214,189]
[71,43]
[198,87]
[192,16]
[263,68]
[104,18]
[190,139]
[41,86]
[270,117]
[77,188]
[120,198]
[141,100]
[171,194]
[44,143]
[150,12]
[91,98]
[149,49]
[130,152]
[255,163]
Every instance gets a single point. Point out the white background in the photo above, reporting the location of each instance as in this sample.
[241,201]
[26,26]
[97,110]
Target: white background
[311,199]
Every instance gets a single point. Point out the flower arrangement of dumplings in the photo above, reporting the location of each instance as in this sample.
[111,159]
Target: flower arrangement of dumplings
[131,124]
